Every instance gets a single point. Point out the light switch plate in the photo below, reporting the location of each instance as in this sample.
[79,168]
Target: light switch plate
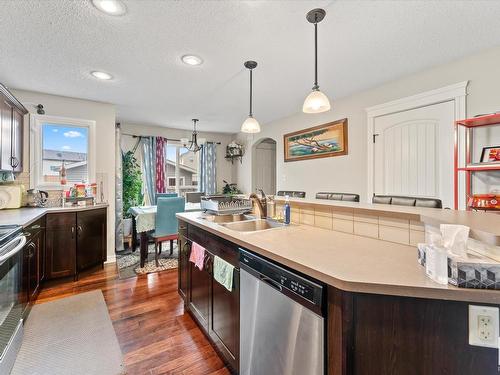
[483,326]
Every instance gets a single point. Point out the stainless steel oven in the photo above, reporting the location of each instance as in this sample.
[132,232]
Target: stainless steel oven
[13,294]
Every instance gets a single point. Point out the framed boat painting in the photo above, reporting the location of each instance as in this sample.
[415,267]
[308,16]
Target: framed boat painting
[321,141]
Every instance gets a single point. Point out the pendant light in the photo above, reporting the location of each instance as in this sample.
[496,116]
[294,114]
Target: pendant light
[193,145]
[250,125]
[316,101]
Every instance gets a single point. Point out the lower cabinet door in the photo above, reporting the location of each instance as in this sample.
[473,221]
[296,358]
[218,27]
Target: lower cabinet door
[225,318]
[91,238]
[184,252]
[60,245]
[199,295]
[34,266]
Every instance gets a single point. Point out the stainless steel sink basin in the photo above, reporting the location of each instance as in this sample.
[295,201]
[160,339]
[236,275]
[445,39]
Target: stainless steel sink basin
[220,219]
[253,225]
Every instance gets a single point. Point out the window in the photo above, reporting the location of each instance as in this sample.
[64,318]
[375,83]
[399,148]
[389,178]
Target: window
[182,166]
[57,141]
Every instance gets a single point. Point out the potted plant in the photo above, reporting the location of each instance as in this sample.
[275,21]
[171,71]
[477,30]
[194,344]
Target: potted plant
[132,188]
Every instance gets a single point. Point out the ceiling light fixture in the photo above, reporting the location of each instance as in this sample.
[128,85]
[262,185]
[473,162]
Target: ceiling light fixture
[316,101]
[193,144]
[111,7]
[101,75]
[192,60]
[250,125]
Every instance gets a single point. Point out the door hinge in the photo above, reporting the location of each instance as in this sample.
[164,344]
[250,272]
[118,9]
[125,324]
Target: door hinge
[374,136]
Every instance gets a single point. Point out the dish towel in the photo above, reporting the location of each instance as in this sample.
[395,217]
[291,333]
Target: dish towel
[223,273]
[197,255]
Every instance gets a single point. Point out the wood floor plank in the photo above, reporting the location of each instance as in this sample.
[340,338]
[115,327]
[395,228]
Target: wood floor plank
[155,335]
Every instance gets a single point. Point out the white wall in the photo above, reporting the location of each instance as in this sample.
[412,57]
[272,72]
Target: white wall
[225,170]
[348,173]
[104,116]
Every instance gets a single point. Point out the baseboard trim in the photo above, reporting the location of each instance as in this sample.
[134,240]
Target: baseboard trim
[111,259]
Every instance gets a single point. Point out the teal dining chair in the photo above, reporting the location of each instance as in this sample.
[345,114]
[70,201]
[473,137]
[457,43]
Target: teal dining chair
[166,223]
[165,195]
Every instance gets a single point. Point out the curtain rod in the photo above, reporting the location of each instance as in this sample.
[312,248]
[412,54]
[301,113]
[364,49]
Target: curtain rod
[168,139]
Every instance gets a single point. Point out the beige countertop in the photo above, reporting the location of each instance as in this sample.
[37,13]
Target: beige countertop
[345,261]
[479,221]
[26,215]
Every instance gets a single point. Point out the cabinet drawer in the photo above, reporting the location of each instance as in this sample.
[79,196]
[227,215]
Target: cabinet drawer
[35,227]
[216,245]
[61,220]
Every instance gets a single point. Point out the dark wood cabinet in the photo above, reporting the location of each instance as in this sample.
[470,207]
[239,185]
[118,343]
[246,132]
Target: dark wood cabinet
[215,308]
[75,241]
[11,131]
[199,293]
[225,318]
[183,274]
[60,245]
[33,253]
[17,140]
[91,238]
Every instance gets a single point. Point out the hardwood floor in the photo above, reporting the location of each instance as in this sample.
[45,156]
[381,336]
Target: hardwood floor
[155,335]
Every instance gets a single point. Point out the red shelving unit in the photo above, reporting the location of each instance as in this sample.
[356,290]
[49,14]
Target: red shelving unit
[470,124]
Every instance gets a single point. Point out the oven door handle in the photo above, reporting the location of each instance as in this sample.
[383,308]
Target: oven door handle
[15,250]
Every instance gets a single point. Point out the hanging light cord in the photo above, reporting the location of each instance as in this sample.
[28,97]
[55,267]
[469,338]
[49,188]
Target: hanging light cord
[316,87]
[251,114]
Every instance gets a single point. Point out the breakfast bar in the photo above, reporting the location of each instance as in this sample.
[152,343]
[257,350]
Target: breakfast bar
[382,313]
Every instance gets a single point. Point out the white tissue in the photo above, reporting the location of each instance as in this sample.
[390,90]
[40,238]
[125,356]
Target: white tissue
[455,239]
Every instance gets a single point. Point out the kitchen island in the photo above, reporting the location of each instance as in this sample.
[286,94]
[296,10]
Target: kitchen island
[384,316]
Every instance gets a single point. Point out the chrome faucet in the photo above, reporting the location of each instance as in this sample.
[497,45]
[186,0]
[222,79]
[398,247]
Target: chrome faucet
[261,203]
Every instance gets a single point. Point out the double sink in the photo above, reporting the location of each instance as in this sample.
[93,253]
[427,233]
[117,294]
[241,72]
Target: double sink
[243,223]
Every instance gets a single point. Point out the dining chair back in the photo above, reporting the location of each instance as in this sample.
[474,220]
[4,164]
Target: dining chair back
[166,227]
[165,195]
[166,221]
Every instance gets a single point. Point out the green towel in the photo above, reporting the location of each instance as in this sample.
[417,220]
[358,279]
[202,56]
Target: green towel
[223,273]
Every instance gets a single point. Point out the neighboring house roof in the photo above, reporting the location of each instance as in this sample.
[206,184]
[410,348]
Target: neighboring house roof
[186,168]
[64,155]
[76,165]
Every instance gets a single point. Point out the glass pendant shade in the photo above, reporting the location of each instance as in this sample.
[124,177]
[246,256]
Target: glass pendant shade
[316,102]
[250,125]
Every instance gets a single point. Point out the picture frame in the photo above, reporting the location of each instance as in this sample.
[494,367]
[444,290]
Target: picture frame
[322,141]
[490,154]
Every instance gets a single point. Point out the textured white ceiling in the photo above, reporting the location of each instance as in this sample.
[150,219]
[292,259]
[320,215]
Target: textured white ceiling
[51,46]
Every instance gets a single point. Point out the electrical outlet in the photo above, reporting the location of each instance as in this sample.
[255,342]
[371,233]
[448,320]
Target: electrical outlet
[483,326]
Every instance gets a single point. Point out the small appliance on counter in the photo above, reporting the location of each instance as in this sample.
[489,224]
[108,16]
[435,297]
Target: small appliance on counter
[37,198]
[11,196]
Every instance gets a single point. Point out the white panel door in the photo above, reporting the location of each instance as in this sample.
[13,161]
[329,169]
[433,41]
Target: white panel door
[414,153]
[265,168]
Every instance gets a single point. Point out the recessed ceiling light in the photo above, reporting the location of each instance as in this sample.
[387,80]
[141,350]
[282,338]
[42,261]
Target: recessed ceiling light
[111,7]
[102,75]
[192,60]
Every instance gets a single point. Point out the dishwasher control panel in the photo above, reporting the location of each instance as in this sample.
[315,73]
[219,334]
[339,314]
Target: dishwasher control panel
[277,275]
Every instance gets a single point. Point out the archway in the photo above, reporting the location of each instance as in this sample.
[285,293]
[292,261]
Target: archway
[264,166]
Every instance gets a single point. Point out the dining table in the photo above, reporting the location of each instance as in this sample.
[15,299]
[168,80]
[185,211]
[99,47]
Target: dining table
[144,221]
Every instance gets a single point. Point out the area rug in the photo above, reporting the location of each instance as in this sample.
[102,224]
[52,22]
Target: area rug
[128,262]
[70,336]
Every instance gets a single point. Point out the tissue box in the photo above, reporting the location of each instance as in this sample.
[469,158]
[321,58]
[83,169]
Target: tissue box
[477,272]
[470,274]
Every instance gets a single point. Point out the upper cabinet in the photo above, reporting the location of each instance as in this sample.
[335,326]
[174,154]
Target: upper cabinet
[11,135]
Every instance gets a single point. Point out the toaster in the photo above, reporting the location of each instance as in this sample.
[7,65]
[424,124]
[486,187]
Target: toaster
[11,196]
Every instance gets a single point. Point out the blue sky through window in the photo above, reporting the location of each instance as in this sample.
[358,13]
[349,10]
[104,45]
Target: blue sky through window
[64,138]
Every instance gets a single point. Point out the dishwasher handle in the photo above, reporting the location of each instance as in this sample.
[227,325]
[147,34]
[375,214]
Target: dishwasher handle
[271,283]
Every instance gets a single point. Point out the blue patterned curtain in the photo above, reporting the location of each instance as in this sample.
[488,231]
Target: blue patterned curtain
[149,169]
[208,177]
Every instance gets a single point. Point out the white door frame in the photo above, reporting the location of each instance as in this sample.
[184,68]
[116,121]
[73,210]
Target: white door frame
[456,92]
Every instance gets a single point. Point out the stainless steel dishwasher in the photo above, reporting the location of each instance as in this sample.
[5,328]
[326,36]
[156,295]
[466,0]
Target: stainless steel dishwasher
[282,328]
